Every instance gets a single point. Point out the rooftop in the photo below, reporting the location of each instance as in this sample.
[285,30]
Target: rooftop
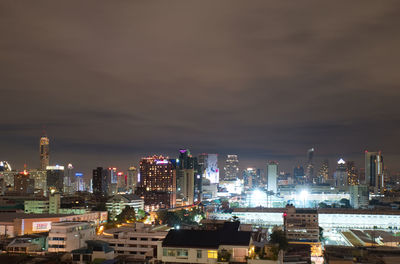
[9,217]
[206,238]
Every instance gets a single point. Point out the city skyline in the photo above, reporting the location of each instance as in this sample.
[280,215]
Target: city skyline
[265,81]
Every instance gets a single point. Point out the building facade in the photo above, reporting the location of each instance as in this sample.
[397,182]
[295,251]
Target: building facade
[44,151]
[67,236]
[158,182]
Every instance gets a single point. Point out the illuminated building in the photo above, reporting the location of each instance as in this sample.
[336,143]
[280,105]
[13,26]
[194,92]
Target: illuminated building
[341,174]
[118,202]
[359,196]
[8,177]
[272,176]
[121,182]
[44,152]
[40,180]
[23,184]
[79,184]
[67,236]
[310,165]
[323,174]
[5,166]
[231,168]
[55,177]
[100,181]
[250,178]
[185,177]
[68,178]
[136,244]
[112,181]
[327,217]
[352,174]
[18,224]
[132,179]
[210,165]
[301,224]
[158,182]
[374,176]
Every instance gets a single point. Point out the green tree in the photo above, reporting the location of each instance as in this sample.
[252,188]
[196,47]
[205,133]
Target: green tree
[128,214]
[140,214]
[279,237]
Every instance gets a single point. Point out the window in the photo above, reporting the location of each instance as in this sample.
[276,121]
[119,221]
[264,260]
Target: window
[198,253]
[120,245]
[76,257]
[143,238]
[171,253]
[154,239]
[165,252]
[133,238]
[182,253]
[87,258]
[213,254]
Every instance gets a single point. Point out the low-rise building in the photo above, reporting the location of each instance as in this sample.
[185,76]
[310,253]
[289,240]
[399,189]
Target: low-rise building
[206,246]
[37,206]
[95,250]
[118,202]
[301,224]
[67,236]
[136,242]
[18,224]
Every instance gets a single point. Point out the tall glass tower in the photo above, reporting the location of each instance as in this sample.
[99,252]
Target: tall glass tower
[44,152]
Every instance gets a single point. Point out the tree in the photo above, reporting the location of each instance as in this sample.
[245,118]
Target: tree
[140,214]
[279,237]
[128,214]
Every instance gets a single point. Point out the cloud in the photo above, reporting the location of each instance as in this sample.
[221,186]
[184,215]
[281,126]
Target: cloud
[267,80]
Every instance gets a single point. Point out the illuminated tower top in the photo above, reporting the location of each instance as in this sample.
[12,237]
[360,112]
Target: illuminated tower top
[44,152]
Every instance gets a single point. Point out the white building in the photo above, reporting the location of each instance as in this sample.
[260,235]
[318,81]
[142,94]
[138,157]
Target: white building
[301,224]
[137,242]
[67,236]
[272,177]
[327,218]
[118,202]
[359,196]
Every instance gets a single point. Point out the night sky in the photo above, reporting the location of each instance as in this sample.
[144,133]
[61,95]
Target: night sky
[111,81]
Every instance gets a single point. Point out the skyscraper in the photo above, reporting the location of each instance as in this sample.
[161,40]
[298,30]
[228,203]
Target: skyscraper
[298,174]
[374,176]
[272,176]
[323,174]
[210,167]
[55,178]
[185,177]
[68,178]
[44,152]
[352,174]
[158,182]
[250,178]
[100,181]
[231,168]
[132,179]
[310,165]
[341,174]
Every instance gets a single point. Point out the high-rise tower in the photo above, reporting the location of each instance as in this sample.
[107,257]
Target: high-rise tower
[310,165]
[44,152]
[374,171]
[231,168]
